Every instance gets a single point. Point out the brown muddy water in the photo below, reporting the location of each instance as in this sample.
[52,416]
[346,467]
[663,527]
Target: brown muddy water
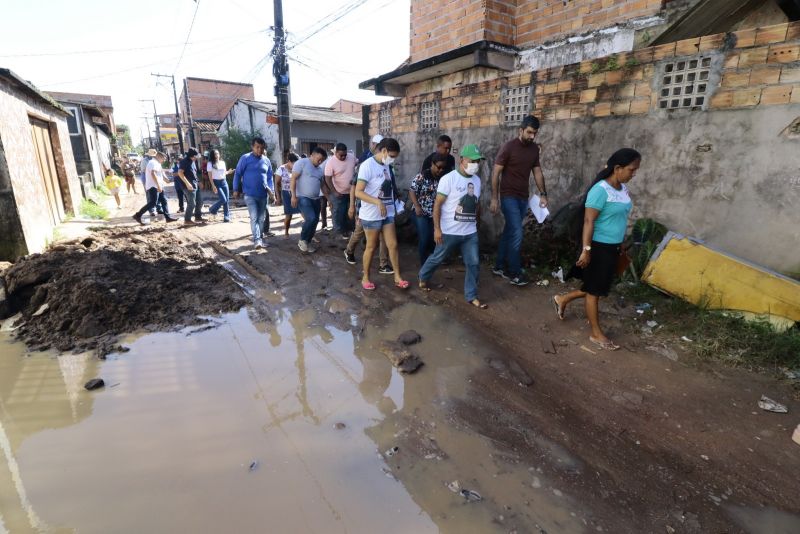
[279,426]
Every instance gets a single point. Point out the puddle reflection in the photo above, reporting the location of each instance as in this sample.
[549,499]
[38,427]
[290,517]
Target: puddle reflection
[188,414]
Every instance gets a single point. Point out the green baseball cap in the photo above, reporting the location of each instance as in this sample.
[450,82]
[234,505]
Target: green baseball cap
[471,152]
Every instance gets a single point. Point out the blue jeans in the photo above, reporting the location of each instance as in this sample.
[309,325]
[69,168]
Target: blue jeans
[424,235]
[180,191]
[469,251]
[257,207]
[310,209]
[194,203]
[514,210]
[154,198]
[224,196]
[341,222]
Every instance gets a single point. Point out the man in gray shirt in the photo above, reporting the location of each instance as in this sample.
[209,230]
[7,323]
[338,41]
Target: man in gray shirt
[307,178]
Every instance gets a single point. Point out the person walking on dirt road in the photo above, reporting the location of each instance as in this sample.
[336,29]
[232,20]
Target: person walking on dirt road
[113,183]
[306,188]
[456,215]
[252,177]
[605,220]
[284,185]
[339,172]
[375,189]
[219,185]
[423,196]
[154,187]
[187,173]
[515,162]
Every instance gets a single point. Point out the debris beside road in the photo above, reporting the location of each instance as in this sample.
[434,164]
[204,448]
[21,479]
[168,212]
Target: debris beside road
[769,405]
[403,358]
[83,295]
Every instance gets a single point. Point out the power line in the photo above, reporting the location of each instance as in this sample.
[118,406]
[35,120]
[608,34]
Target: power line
[342,12]
[129,49]
[196,7]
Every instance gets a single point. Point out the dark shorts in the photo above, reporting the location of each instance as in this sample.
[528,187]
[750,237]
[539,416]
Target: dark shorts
[286,198]
[602,268]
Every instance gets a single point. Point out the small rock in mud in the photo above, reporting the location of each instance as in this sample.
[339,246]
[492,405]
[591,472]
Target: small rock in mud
[409,337]
[392,451]
[405,360]
[471,495]
[519,374]
[94,383]
[339,426]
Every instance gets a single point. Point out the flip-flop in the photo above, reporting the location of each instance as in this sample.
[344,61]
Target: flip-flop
[402,284]
[559,310]
[477,303]
[369,286]
[605,345]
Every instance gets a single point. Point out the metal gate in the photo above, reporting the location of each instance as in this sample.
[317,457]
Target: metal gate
[40,130]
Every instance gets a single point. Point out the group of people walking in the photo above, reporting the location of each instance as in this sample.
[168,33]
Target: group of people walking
[444,203]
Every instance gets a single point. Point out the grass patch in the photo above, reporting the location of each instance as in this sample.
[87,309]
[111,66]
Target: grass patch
[720,336]
[92,210]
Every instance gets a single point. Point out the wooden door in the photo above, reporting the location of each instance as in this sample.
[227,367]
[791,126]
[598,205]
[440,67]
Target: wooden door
[40,130]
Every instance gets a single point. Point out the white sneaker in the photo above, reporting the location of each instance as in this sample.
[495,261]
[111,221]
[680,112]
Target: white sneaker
[258,244]
[302,245]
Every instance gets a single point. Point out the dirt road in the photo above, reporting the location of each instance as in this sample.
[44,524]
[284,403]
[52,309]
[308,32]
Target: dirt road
[286,414]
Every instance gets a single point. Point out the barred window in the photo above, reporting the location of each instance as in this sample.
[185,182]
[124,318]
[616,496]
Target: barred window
[516,103]
[385,121]
[429,116]
[685,84]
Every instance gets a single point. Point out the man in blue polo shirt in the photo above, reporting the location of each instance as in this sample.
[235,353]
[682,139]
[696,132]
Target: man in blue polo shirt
[253,176]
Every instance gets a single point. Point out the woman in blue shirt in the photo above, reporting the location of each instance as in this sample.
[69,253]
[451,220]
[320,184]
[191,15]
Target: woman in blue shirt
[608,206]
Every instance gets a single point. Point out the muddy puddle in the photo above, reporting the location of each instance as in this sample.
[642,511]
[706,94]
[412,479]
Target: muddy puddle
[279,426]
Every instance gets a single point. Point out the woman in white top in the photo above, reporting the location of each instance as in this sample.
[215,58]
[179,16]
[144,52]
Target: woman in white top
[375,189]
[219,185]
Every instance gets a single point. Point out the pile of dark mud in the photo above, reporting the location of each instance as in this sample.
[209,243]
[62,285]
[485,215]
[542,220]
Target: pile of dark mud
[83,295]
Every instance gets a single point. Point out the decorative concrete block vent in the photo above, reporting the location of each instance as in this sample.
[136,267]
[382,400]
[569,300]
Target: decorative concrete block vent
[385,121]
[429,116]
[685,84]
[516,104]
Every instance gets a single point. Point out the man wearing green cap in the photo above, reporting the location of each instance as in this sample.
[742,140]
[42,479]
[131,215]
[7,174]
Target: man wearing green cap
[456,214]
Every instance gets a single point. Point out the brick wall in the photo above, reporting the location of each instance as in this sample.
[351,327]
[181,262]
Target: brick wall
[212,99]
[438,26]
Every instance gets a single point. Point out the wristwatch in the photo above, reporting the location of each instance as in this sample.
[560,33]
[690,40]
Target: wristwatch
[587,248]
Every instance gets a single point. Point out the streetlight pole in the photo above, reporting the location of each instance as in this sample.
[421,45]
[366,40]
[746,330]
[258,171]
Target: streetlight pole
[158,126]
[280,69]
[177,111]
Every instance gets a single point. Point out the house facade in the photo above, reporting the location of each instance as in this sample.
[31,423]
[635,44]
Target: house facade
[38,179]
[311,126]
[204,103]
[706,90]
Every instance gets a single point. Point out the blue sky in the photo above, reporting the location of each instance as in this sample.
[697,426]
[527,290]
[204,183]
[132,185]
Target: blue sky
[111,47]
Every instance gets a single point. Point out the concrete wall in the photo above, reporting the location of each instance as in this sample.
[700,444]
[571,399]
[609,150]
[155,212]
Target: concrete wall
[22,187]
[247,119]
[337,133]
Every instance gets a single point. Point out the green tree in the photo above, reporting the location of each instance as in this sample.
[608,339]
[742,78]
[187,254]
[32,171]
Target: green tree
[234,143]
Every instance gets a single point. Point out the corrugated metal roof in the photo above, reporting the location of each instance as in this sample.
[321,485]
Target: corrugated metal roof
[207,126]
[306,113]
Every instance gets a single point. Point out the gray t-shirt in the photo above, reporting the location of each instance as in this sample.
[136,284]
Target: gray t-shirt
[310,179]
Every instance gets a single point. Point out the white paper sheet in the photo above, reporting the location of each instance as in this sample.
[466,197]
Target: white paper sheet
[538,212]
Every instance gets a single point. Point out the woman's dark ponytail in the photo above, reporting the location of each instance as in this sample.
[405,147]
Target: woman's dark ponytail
[622,158]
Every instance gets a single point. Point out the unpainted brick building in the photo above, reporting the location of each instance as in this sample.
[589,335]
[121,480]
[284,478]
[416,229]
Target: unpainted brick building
[205,103]
[707,90]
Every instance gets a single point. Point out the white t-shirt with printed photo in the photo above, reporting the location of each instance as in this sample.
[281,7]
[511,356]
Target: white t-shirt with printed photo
[379,185]
[219,172]
[153,165]
[286,178]
[460,208]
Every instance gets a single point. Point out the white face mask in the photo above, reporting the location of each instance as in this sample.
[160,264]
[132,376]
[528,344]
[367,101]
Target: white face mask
[472,168]
[388,160]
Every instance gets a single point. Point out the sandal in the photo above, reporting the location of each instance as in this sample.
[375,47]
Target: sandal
[369,286]
[605,345]
[424,287]
[402,284]
[559,309]
[477,303]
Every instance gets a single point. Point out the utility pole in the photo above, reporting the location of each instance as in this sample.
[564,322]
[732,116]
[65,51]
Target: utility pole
[158,126]
[280,69]
[177,111]
[147,123]
[189,112]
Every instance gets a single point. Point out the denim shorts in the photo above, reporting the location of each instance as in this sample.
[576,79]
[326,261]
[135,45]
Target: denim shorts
[377,225]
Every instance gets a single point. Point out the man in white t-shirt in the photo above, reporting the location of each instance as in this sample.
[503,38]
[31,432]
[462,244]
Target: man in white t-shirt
[456,215]
[154,184]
